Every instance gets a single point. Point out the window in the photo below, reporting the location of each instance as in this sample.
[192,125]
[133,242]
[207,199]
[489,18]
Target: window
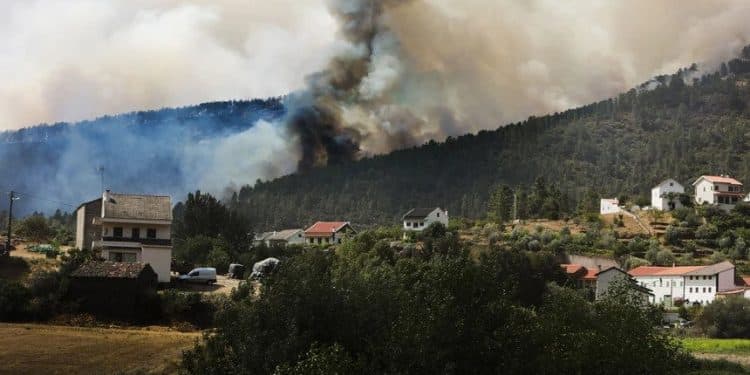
[408,224]
[690,289]
[710,277]
[438,214]
[136,233]
[704,277]
[117,232]
[194,273]
[151,233]
[704,290]
[709,289]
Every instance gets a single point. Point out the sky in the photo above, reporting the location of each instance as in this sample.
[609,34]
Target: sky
[491,62]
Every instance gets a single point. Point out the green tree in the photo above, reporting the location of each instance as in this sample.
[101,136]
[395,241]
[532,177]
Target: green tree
[501,204]
[34,228]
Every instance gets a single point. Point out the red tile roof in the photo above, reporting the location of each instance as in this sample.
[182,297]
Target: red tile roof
[590,274]
[325,228]
[572,269]
[745,280]
[681,270]
[578,271]
[721,180]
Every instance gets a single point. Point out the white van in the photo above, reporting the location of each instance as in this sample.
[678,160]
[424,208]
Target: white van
[204,275]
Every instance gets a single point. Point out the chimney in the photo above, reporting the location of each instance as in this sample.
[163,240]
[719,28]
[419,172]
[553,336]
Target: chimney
[105,196]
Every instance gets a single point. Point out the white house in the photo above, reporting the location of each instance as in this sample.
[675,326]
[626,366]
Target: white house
[660,195]
[284,237]
[692,284]
[723,191]
[328,232]
[609,206]
[417,219]
[137,228]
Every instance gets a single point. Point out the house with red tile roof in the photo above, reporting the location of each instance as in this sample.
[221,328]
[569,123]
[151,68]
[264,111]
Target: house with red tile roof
[328,232]
[599,281]
[691,284]
[723,191]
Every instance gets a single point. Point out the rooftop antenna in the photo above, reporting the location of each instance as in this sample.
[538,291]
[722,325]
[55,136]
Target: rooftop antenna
[101,177]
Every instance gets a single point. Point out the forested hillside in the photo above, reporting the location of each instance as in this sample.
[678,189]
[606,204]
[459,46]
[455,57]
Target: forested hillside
[155,152]
[680,126]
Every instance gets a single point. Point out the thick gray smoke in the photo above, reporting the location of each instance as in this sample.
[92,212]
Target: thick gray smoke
[421,69]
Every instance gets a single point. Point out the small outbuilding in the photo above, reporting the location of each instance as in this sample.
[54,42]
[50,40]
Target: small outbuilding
[118,290]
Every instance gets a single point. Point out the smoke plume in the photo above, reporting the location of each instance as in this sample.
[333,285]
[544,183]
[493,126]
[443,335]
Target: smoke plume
[362,76]
[416,70]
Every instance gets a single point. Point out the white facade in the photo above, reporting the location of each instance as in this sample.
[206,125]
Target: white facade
[694,285]
[722,191]
[418,219]
[119,244]
[659,194]
[609,206]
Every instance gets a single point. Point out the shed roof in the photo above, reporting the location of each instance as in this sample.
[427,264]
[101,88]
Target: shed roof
[111,270]
[419,213]
[283,235]
[138,207]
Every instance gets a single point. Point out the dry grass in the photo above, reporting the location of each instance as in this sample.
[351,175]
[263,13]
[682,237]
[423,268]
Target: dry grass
[45,349]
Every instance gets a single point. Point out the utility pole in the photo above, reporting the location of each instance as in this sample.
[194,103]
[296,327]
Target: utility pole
[10,223]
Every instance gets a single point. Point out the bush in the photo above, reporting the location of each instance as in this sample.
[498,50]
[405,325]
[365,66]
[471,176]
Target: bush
[726,318]
[194,308]
[14,301]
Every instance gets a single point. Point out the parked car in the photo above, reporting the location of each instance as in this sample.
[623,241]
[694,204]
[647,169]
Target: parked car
[203,275]
[236,271]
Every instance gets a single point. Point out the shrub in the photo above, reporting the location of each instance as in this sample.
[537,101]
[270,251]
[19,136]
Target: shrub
[726,318]
[14,300]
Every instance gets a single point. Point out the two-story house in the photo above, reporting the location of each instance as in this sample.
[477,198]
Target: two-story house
[328,232]
[137,228]
[666,195]
[417,219]
[723,191]
[692,284]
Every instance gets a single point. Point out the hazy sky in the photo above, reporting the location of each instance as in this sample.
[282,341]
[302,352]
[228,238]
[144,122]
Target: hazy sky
[491,61]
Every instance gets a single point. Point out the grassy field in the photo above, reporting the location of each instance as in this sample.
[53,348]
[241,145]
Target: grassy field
[717,346]
[45,349]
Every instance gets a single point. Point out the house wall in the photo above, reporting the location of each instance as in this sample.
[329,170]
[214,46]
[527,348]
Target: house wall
[666,187]
[604,279]
[436,216]
[86,231]
[663,286]
[80,227]
[699,284]
[160,260]
[726,280]
[297,239]
[608,206]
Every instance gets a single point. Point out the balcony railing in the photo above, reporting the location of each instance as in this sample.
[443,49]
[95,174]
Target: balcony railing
[142,241]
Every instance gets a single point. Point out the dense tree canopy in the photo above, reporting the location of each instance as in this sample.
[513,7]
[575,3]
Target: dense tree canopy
[368,309]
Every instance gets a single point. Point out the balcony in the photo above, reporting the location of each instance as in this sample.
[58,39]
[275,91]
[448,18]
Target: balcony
[134,242]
